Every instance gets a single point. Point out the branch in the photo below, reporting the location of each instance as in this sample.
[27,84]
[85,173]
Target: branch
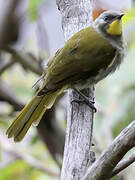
[26,157]
[102,168]
[34,163]
[123,164]
[9,27]
[5,66]
[6,163]
[26,60]
[9,96]
[77,155]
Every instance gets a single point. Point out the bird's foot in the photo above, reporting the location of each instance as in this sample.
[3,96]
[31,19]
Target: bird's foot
[85,100]
[88,102]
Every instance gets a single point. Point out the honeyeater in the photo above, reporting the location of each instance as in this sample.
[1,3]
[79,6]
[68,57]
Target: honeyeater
[88,57]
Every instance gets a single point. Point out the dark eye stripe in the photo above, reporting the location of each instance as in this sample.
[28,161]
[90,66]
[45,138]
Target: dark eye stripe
[109,18]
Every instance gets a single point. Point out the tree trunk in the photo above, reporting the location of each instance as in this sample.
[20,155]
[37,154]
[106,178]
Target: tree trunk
[76,15]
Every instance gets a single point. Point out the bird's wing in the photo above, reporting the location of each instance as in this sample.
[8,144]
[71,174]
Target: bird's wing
[83,55]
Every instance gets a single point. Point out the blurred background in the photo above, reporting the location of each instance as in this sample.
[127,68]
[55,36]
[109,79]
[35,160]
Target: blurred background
[30,33]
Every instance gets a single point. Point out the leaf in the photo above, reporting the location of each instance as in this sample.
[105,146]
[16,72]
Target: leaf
[33,9]
[129,16]
[19,170]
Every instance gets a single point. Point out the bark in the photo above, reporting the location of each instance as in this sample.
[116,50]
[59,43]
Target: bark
[103,167]
[123,164]
[76,15]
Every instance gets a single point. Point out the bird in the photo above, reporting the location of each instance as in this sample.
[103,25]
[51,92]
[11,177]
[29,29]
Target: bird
[85,59]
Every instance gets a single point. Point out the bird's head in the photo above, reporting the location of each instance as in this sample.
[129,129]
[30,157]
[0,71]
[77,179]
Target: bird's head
[109,23]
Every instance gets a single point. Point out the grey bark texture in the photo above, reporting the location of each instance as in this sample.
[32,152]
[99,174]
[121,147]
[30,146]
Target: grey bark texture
[102,168]
[76,15]
[123,164]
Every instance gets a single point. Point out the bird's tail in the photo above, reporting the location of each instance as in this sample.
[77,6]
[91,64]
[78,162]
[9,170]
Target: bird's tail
[31,114]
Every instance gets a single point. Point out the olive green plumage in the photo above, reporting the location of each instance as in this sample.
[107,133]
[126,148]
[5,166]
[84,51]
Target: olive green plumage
[31,114]
[89,56]
[79,58]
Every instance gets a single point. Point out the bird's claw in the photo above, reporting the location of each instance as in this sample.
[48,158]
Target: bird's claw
[88,102]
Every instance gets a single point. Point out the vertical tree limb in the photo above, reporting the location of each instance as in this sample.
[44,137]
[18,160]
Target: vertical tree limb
[76,15]
[8,34]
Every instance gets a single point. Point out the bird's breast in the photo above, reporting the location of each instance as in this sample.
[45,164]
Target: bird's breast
[102,73]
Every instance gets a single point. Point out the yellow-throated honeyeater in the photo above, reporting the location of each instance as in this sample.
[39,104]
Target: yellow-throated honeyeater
[88,57]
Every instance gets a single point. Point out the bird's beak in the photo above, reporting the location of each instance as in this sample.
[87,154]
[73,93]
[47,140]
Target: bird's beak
[120,16]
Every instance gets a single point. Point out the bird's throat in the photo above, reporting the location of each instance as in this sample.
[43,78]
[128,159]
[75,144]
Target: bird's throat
[115,28]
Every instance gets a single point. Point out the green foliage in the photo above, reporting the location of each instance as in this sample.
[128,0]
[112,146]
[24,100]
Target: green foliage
[34,140]
[33,9]
[114,178]
[129,16]
[3,121]
[127,115]
[18,170]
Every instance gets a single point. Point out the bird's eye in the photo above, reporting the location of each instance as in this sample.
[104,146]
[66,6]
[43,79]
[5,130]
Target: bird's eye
[106,18]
